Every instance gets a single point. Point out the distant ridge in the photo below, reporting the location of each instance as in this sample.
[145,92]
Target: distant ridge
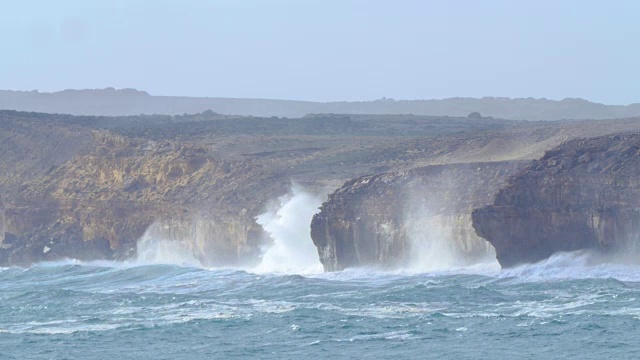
[116,102]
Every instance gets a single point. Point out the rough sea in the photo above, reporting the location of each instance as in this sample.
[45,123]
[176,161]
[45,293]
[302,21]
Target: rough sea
[164,305]
[560,308]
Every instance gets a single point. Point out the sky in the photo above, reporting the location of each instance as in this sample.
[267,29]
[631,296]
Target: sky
[326,50]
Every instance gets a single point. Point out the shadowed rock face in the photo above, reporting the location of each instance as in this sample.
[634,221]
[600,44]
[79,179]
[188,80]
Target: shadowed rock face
[583,194]
[373,220]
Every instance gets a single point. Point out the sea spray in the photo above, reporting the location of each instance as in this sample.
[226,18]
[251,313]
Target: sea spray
[287,223]
[438,241]
[580,264]
[160,246]
[431,244]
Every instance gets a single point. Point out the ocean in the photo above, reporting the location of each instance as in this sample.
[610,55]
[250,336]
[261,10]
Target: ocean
[565,307]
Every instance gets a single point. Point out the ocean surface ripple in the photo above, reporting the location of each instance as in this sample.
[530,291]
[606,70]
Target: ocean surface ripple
[563,307]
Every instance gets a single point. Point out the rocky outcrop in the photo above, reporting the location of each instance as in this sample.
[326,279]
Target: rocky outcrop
[583,194]
[91,186]
[97,205]
[397,218]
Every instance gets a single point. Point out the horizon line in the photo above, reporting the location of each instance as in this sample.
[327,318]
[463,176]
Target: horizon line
[382,99]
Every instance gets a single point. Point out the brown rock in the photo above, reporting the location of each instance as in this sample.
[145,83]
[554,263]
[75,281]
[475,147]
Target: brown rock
[593,203]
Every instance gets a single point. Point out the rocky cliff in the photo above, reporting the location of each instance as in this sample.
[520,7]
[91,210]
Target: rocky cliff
[98,204]
[419,217]
[583,194]
[89,187]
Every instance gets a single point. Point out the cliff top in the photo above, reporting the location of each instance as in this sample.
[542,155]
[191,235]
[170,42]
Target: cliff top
[617,154]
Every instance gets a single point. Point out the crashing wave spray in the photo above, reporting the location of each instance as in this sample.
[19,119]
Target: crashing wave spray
[579,264]
[440,241]
[287,223]
[431,245]
[160,245]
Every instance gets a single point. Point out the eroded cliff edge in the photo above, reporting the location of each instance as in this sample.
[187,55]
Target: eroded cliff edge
[583,194]
[400,218]
[89,187]
[99,203]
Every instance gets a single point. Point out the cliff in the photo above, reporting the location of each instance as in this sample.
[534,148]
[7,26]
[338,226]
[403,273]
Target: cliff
[98,204]
[90,187]
[583,194]
[413,217]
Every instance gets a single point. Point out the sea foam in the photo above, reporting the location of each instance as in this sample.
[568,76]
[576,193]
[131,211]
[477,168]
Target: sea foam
[287,223]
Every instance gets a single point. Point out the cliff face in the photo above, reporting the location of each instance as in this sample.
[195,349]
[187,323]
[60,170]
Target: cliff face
[583,194]
[413,217]
[89,187]
[97,205]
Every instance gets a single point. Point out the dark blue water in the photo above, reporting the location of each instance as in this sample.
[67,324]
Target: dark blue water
[562,308]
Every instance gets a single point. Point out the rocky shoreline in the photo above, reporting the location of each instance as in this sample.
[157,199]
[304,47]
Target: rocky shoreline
[583,194]
[379,220]
[91,187]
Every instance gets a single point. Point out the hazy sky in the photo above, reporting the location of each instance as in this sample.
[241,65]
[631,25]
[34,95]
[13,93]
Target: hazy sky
[326,50]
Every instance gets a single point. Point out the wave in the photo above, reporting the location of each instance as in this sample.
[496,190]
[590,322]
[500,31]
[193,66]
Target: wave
[582,264]
[579,265]
[561,266]
[153,248]
[575,265]
[287,223]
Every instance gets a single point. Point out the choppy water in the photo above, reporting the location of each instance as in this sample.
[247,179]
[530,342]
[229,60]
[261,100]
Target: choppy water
[561,308]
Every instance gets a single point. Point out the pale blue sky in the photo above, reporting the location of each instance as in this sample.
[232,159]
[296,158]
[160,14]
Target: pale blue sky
[326,50]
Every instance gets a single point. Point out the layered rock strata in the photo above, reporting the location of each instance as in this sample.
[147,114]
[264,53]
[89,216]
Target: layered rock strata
[98,204]
[583,194]
[380,220]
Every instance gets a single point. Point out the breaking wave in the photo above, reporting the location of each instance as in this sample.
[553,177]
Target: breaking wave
[287,223]
[582,264]
[155,247]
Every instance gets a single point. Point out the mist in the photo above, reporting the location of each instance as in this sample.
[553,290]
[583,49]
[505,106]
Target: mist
[439,239]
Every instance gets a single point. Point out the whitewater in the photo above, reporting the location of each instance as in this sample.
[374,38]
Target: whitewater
[165,305]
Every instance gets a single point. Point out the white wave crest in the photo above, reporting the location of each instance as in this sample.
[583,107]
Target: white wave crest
[581,264]
[287,223]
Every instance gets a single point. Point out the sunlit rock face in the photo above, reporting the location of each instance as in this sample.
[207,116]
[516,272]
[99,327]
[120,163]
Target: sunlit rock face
[583,194]
[419,218]
[98,204]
